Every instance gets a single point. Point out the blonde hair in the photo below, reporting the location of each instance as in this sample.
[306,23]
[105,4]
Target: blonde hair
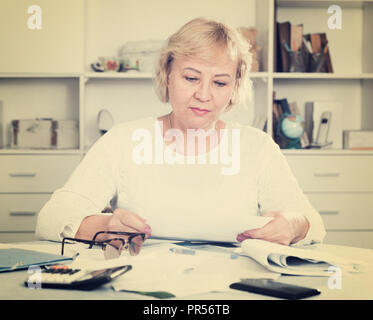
[196,38]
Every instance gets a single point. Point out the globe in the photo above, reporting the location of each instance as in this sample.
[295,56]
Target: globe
[292,126]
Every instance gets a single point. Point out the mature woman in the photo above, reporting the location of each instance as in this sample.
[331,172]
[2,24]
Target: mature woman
[187,170]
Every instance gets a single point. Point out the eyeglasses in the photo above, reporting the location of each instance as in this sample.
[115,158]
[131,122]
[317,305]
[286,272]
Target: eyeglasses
[112,247]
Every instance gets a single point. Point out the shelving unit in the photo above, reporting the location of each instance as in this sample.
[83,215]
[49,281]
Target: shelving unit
[79,93]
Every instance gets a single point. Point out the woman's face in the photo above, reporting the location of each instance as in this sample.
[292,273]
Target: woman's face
[200,89]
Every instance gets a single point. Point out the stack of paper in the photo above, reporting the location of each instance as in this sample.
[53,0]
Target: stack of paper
[159,269]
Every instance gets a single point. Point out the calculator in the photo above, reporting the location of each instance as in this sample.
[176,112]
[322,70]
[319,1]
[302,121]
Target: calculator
[64,277]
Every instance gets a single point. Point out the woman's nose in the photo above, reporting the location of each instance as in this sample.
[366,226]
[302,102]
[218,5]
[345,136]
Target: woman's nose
[203,92]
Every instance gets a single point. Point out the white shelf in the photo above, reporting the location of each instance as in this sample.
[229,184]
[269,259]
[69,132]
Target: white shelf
[39,75]
[338,152]
[9,151]
[321,3]
[336,76]
[118,75]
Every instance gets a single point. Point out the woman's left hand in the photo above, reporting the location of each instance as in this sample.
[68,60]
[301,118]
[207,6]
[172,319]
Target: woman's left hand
[281,229]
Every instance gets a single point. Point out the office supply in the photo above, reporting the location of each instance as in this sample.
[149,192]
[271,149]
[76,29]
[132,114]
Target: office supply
[326,52]
[183,251]
[320,61]
[64,277]
[15,259]
[217,230]
[274,289]
[159,269]
[358,139]
[311,260]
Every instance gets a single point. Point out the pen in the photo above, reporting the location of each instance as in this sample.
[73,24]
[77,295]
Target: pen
[183,251]
[232,255]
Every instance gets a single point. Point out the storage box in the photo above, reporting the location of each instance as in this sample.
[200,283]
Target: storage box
[44,134]
[31,133]
[65,134]
[358,139]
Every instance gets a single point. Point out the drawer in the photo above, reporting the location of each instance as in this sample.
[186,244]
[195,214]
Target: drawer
[344,211]
[18,212]
[361,239]
[333,173]
[32,173]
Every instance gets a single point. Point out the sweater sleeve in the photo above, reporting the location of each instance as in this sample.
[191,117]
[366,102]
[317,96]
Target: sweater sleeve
[89,189]
[279,191]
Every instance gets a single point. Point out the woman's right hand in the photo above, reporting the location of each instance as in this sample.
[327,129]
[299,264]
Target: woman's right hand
[120,220]
[127,221]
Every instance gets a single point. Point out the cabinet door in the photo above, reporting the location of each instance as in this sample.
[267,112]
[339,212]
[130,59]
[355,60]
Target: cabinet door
[19,212]
[35,173]
[56,47]
[333,173]
[344,211]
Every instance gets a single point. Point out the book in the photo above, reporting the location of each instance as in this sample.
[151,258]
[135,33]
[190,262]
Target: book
[308,118]
[283,39]
[324,42]
[311,260]
[284,105]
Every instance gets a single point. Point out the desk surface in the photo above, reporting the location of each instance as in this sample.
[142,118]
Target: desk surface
[353,285]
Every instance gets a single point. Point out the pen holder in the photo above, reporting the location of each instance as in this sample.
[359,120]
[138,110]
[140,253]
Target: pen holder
[317,62]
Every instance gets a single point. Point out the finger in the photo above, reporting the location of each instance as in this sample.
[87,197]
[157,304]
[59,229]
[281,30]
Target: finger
[131,220]
[250,234]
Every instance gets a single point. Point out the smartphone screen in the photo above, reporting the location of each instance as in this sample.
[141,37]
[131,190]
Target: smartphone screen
[274,289]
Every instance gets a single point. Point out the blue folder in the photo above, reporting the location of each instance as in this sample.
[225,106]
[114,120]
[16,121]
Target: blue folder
[16,259]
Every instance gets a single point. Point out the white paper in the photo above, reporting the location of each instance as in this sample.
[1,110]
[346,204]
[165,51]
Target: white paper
[211,230]
[159,269]
[316,262]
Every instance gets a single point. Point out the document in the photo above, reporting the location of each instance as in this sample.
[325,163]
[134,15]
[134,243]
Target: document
[311,260]
[174,269]
[210,230]
[16,259]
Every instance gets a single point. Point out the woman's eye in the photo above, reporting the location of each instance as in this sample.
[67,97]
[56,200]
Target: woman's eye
[191,79]
[220,83]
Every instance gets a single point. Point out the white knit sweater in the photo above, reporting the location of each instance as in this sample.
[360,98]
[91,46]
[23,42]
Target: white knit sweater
[180,194]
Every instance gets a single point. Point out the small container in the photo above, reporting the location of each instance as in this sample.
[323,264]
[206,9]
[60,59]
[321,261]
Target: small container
[33,134]
[140,55]
[65,134]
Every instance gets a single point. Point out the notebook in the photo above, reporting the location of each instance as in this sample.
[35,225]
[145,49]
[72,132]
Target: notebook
[17,259]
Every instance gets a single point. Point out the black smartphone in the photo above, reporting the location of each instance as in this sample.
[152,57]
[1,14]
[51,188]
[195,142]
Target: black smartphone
[274,289]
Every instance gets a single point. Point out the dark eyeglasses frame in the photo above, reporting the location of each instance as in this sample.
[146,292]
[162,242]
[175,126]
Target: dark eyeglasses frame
[103,243]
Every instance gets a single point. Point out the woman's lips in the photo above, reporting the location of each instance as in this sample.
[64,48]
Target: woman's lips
[199,112]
